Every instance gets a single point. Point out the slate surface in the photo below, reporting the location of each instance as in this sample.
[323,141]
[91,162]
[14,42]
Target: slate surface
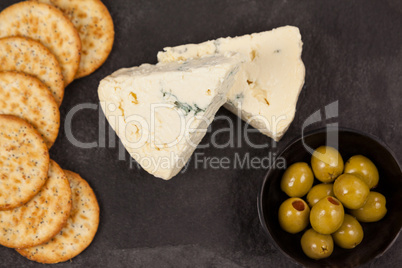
[208,217]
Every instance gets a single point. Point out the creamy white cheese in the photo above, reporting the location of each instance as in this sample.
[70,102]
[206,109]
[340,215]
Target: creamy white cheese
[161,112]
[268,84]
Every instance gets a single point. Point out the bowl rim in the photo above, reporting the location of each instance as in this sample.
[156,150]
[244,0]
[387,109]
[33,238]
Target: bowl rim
[291,143]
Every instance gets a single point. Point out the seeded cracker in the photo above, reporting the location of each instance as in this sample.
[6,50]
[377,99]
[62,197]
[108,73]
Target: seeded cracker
[95,27]
[26,97]
[24,162]
[79,231]
[31,57]
[47,25]
[42,217]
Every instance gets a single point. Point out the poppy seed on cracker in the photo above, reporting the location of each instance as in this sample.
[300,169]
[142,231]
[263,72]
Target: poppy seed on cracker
[25,96]
[79,231]
[24,161]
[48,25]
[95,26]
[31,57]
[42,217]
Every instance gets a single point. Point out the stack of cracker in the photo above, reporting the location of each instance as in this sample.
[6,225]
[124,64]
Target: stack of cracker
[48,214]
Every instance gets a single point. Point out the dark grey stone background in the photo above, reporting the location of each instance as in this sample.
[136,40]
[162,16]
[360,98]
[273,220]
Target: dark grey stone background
[208,218]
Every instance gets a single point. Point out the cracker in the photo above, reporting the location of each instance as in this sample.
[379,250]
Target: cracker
[41,218]
[95,27]
[79,231]
[25,96]
[31,57]
[48,25]
[24,162]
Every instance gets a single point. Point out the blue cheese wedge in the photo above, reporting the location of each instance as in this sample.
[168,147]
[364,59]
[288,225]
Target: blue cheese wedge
[161,112]
[268,84]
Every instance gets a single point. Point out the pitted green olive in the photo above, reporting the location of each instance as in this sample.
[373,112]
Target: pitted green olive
[317,246]
[293,215]
[350,234]
[327,164]
[297,180]
[327,215]
[365,169]
[351,191]
[373,210]
[318,192]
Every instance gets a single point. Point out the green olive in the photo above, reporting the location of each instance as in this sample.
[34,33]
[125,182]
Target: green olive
[327,164]
[297,180]
[373,210]
[327,215]
[317,246]
[293,215]
[351,191]
[350,234]
[364,168]
[318,192]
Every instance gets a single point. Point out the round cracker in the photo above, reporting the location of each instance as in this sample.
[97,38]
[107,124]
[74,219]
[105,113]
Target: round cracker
[95,27]
[42,217]
[24,160]
[25,96]
[31,57]
[79,231]
[48,25]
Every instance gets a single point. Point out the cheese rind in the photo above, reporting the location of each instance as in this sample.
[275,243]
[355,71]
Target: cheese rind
[161,112]
[269,82]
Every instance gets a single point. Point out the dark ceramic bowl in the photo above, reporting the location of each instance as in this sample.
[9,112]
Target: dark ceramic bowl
[378,236]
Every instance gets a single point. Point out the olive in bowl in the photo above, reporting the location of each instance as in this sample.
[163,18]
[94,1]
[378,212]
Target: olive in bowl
[317,246]
[364,168]
[297,180]
[373,210]
[350,234]
[327,215]
[351,191]
[378,236]
[293,215]
[327,163]
[318,192]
